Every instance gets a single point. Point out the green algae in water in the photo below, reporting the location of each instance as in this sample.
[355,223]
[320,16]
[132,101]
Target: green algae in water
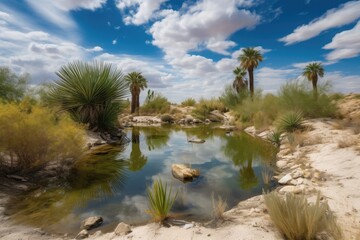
[112,183]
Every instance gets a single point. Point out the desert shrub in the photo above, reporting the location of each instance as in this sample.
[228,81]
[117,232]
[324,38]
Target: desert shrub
[157,104]
[206,106]
[219,207]
[189,102]
[36,136]
[167,118]
[298,96]
[297,219]
[160,200]
[93,93]
[12,86]
[275,137]
[231,98]
[290,122]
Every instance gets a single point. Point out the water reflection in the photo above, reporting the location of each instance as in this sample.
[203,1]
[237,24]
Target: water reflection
[156,138]
[137,160]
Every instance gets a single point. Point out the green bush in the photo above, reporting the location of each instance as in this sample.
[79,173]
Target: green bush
[206,106]
[189,102]
[33,136]
[299,220]
[275,138]
[93,93]
[157,104]
[298,96]
[12,86]
[290,122]
[231,98]
[160,200]
[167,118]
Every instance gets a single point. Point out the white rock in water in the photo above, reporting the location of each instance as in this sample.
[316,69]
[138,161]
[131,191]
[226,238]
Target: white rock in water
[91,222]
[285,179]
[184,173]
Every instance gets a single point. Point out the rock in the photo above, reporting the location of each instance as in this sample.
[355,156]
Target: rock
[288,189]
[188,226]
[250,130]
[184,173]
[91,222]
[82,234]
[96,234]
[285,179]
[297,173]
[122,229]
[197,121]
[17,178]
[196,140]
[281,164]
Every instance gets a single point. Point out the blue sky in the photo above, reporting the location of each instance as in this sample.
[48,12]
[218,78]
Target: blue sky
[184,48]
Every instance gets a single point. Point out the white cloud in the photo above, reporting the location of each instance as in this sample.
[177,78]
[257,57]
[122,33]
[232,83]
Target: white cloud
[95,49]
[57,12]
[206,23]
[145,10]
[114,42]
[346,44]
[262,50]
[270,79]
[336,17]
[302,65]
[344,83]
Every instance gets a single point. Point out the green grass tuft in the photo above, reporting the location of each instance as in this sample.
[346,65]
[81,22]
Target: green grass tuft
[275,138]
[160,200]
[290,122]
[189,102]
[297,219]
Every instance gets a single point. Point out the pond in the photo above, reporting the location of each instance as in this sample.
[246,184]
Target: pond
[112,183]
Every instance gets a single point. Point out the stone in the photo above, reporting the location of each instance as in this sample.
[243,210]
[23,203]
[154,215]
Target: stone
[188,226]
[281,164]
[82,234]
[184,173]
[91,222]
[285,179]
[250,130]
[196,140]
[96,234]
[297,173]
[122,229]
[197,121]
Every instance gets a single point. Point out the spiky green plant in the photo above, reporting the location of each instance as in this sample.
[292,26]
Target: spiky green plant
[297,219]
[93,93]
[275,137]
[160,200]
[291,121]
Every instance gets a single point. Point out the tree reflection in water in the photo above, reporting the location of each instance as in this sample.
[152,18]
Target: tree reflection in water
[137,160]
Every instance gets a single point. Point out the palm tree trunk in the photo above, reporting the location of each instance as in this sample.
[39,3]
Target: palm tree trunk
[315,90]
[133,98]
[251,79]
[137,102]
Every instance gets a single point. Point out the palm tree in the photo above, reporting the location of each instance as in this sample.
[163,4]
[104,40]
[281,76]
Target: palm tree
[249,60]
[137,83]
[312,71]
[93,93]
[240,81]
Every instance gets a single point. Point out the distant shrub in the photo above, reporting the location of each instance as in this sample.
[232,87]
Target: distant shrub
[297,219]
[291,121]
[189,102]
[298,96]
[157,104]
[275,137]
[160,200]
[33,136]
[206,106]
[231,98]
[12,86]
[167,118]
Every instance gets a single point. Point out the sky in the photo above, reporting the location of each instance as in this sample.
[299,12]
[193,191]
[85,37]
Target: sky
[184,48]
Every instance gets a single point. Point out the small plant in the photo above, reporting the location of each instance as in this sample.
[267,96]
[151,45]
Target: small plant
[291,121]
[189,102]
[266,175]
[275,138]
[219,207]
[297,219]
[167,118]
[160,200]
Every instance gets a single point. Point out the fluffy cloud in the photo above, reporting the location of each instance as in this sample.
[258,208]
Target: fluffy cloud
[206,23]
[337,17]
[57,12]
[144,10]
[270,79]
[345,44]
[95,49]
[262,50]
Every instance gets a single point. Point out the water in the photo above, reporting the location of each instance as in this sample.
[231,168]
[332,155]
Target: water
[113,183]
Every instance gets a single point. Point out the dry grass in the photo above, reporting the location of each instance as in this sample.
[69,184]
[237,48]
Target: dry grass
[347,142]
[266,175]
[297,219]
[219,207]
[295,139]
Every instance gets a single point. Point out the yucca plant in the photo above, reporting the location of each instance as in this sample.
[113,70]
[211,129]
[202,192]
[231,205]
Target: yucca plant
[161,200]
[219,207]
[275,137]
[297,219]
[291,121]
[93,93]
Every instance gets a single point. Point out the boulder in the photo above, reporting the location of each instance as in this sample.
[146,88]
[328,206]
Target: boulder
[91,222]
[196,140]
[82,234]
[184,173]
[281,164]
[122,229]
[285,179]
